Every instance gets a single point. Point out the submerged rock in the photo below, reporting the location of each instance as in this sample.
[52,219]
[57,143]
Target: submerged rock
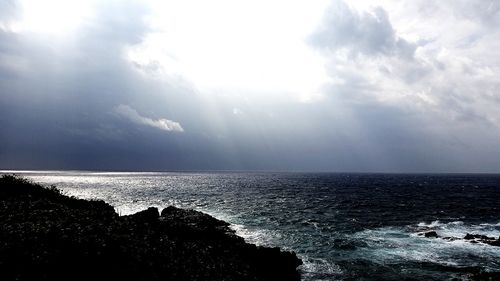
[48,236]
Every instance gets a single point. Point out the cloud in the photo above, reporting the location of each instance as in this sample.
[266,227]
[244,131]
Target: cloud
[413,101]
[411,86]
[452,68]
[237,111]
[132,115]
[369,32]
[8,12]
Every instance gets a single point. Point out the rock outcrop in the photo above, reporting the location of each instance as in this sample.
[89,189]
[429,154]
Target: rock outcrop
[477,238]
[472,238]
[45,235]
[431,234]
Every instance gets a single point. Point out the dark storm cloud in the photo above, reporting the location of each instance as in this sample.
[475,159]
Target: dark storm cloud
[58,98]
[79,103]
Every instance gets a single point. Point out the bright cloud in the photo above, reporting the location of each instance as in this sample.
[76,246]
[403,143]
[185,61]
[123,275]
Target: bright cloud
[132,115]
[53,17]
[369,32]
[234,46]
[446,68]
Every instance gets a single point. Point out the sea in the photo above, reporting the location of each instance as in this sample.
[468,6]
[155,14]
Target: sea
[344,226]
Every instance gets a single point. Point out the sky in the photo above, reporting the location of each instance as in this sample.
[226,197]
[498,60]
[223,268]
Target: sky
[328,86]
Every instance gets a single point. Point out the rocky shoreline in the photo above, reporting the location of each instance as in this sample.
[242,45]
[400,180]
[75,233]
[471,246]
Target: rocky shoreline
[46,235]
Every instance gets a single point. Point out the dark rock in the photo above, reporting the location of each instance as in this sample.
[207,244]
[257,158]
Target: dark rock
[431,234]
[495,242]
[149,215]
[477,238]
[193,218]
[48,236]
[469,236]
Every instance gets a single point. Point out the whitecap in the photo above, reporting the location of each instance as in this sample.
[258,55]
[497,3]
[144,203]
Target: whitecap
[401,244]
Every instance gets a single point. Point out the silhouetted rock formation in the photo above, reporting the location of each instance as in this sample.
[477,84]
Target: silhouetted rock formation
[45,235]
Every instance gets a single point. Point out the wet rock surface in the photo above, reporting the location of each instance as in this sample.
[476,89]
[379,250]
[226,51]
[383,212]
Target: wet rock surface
[45,235]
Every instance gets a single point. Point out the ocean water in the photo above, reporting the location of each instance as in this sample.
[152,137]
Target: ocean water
[343,226]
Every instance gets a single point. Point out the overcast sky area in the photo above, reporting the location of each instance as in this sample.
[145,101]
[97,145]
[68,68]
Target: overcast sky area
[341,86]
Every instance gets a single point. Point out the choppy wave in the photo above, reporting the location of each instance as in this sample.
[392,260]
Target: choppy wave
[343,226]
[393,245]
[459,228]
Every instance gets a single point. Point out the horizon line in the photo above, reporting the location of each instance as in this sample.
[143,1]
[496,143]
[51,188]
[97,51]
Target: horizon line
[97,171]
